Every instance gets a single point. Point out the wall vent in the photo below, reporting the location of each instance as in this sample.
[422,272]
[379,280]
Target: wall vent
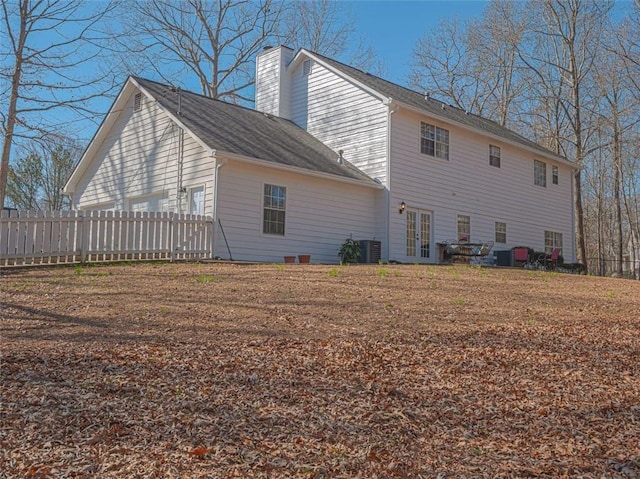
[306,67]
[137,102]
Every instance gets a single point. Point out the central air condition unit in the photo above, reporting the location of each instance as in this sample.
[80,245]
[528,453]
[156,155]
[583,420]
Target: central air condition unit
[370,251]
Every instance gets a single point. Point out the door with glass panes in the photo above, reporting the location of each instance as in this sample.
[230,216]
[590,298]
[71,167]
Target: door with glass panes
[419,248]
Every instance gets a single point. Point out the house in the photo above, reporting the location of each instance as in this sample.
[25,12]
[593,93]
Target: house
[329,153]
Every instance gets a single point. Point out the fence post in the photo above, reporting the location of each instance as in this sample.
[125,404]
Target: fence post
[84,226]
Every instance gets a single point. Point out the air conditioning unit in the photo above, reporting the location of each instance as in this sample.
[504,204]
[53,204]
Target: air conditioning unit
[370,251]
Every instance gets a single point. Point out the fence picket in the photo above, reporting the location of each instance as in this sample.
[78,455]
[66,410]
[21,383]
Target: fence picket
[30,237]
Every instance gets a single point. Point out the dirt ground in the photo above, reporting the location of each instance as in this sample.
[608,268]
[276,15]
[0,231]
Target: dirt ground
[217,370]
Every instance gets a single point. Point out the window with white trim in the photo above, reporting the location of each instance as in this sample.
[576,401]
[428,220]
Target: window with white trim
[552,240]
[554,175]
[274,209]
[494,156]
[464,228]
[539,173]
[434,141]
[501,232]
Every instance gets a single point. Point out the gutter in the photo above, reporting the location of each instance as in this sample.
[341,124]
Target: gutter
[216,179]
[391,110]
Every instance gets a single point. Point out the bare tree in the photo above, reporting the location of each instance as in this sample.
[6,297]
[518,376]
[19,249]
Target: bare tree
[326,27]
[474,65]
[45,46]
[563,41]
[212,42]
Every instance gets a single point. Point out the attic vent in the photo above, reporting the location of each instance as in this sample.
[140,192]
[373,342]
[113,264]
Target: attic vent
[306,67]
[137,102]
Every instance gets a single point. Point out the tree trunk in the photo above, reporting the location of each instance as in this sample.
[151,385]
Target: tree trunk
[13,104]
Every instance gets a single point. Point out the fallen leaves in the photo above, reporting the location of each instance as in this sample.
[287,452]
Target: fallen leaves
[136,373]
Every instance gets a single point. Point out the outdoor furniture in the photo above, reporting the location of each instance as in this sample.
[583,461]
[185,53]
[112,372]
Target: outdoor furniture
[457,248]
[520,256]
[550,260]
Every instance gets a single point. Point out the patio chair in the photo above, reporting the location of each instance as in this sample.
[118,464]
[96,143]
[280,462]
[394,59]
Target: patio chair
[520,255]
[550,260]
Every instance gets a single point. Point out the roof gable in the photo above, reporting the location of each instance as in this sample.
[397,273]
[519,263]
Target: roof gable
[242,131]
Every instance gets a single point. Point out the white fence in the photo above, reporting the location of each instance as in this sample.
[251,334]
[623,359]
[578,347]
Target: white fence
[55,237]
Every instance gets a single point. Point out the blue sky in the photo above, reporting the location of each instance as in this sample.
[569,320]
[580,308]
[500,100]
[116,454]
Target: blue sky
[394,27]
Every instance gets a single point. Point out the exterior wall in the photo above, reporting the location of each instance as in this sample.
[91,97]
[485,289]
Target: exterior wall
[342,116]
[139,159]
[320,214]
[273,85]
[466,184]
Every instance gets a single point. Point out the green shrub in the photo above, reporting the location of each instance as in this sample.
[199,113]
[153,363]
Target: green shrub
[349,251]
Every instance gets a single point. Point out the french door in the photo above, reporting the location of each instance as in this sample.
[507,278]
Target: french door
[419,247]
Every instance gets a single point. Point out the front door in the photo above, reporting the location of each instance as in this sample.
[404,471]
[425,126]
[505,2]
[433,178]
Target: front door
[419,248]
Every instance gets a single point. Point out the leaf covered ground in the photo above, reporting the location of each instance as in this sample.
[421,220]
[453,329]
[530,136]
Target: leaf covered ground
[219,370]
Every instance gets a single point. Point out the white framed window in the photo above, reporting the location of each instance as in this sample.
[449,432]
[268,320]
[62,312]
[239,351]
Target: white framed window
[552,239]
[464,228]
[155,202]
[274,209]
[494,156]
[434,141]
[196,200]
[501,232]
[554,175]
[539,173]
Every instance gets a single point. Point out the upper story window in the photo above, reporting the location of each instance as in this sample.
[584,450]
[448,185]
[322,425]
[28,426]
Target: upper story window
[539,173]
[464,228]
[494,156]
[554,175]
[274,208]
[434,141]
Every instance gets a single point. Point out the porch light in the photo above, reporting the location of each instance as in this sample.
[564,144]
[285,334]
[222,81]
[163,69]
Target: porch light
[403,205]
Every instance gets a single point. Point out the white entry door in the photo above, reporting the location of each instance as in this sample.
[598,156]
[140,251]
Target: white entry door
[419,247]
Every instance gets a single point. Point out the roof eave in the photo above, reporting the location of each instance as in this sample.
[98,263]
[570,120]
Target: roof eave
[296,169]
[502,139]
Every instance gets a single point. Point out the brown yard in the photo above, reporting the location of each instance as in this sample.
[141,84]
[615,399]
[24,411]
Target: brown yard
[211,370]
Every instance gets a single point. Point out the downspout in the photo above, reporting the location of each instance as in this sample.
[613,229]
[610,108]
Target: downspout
[216,177]
[391,110]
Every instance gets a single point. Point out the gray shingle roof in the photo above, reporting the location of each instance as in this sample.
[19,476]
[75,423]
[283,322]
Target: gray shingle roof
[235,129]
[432,106]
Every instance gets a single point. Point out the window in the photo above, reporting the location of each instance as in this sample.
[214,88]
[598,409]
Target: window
[137,102]
[501,232]
[306,67]
[464,228]
[434,141]
[196,203]
[554,175]
[494,156]
[552,240]
[274,209]
[539,173]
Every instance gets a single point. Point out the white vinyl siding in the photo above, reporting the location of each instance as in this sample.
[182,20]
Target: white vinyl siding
[139,158]
[273,86]
[342,116]
[320,215]
[157,202]
[539,173]
[465,185]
